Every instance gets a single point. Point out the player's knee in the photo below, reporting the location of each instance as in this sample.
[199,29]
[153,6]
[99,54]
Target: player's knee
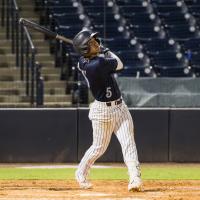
[98,151]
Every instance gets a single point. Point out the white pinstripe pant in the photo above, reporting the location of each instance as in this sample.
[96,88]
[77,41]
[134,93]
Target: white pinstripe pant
[106,120]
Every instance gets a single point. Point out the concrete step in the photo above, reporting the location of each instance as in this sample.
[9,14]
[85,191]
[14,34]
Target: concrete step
[16,77]
[21,91]
[54,91]
[40,57]
[9,98]
[10,91]
[32,18]
[11,84]
[27,104]
[40,43]
[9,71]
[26,7]
[28,13]
[15,105]
[7,58]
[16,71]
[34,35]
[49,70]
[47,63]
[2,35]
[25,2]
[52,77]
[57,104]
[52,84]
[57,98]
[40,50]
[21,84]
[23,98]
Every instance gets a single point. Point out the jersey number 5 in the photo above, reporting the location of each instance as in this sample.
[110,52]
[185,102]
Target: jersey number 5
[108,92]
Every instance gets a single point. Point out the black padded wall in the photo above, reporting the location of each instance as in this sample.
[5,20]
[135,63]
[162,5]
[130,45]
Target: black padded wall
[38,135]
[151,134]
[184,136]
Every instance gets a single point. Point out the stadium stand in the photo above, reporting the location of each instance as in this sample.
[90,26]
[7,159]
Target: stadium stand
[154,38]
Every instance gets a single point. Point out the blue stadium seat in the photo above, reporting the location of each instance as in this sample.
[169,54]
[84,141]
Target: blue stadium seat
[93,3]
[135,63]
[67,19]
[97,9]
[107,31]
[192,45]
[157,45]
[144,19]
[167,6]
[121,44]
[129,2]
[195,63]
[103,18]
[128,11]
[171,64]
[176,18]
[145,33]
[183,32]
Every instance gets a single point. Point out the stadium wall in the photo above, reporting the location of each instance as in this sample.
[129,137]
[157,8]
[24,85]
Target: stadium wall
[63,135]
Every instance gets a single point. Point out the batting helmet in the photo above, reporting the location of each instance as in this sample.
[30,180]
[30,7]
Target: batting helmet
[80,41]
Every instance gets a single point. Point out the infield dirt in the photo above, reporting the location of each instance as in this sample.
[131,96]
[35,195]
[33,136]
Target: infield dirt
[107,190]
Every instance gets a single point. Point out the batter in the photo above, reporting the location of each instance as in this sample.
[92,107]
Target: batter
[108,113]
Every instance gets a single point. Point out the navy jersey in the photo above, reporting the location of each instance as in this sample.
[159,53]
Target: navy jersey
[98,72]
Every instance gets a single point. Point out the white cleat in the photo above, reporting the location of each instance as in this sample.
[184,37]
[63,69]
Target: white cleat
[135,185]
[82,181]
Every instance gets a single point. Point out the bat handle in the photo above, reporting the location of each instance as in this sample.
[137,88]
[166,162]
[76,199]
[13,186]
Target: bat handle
[59,37]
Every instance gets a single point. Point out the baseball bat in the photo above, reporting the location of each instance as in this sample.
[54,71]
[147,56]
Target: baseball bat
[44,30]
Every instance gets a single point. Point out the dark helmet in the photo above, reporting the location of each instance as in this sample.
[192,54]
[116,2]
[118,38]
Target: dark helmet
[80,41]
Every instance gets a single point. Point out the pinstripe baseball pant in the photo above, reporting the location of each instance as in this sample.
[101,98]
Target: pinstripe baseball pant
[105,121]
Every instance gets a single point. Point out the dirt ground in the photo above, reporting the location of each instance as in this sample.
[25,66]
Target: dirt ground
[105,190]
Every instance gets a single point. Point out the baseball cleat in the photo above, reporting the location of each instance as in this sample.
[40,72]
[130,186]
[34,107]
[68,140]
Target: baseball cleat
[82,181]
[135,185]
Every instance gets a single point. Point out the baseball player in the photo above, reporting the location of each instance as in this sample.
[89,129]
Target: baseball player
[108,113]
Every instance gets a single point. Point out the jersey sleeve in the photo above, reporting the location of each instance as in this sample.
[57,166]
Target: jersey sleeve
[82,62]
[109,65]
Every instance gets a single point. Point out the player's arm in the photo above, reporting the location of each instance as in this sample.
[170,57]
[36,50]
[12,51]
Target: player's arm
[110,54]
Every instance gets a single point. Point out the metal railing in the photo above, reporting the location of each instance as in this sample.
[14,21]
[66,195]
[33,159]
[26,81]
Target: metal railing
[30,69]
[25,51]
[10,19]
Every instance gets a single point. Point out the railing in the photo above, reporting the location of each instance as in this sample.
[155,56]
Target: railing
[10,18]
[30,69]
[25,52]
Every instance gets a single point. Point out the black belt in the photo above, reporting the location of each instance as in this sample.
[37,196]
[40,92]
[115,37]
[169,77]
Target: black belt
[117,102]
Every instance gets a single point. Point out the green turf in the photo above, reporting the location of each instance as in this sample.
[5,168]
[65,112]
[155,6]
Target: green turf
[148,172]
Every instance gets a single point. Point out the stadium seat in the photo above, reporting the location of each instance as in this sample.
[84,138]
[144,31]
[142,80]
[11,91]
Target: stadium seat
[172,64]
[122,44]
[108,31]
[129,2]
[156,45]
[67,19]
[103,18]
[169,6]
[145,33]
[192,45]
[176,18]
[97,9]
[183,32]
[93,3]
[195,63]
[135,64]
[144,19]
